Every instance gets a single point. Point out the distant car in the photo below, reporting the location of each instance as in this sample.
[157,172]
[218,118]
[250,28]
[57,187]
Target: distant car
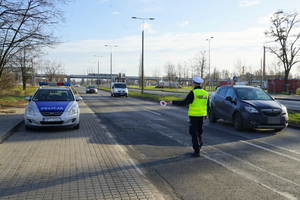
[119,89]
[91,89]
[247,107]
[52,106]
[264,87]
[77,85]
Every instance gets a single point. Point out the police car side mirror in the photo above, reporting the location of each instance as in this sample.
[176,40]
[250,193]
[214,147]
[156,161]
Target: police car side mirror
[78,98]
[28,98]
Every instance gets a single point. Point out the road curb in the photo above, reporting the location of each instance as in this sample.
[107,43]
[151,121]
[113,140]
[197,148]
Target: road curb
[10,131]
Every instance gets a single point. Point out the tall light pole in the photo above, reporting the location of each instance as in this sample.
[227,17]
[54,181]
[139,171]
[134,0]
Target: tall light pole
[142,91]
[209,60]
[98,70]
[111,46]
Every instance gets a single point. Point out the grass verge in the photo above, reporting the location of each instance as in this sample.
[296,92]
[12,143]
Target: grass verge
[15,97]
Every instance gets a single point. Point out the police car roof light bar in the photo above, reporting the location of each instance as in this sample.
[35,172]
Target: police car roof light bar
[55,84]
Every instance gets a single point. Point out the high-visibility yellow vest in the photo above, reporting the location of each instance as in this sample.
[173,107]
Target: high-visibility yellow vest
[199,105]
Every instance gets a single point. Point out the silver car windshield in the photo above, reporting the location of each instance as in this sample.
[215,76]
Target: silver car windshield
[252,94]
[53,95]
[120,86]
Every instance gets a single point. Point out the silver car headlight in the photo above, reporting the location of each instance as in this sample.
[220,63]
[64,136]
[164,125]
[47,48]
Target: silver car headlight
[73,110]
[284,110]
[251,109]
[30,111]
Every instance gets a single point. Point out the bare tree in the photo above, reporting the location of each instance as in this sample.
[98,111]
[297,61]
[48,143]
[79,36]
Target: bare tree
[53,70]
[179,73]
[283,31]
[239,67]
[201,63]
[27,23]
[215,77]
[156,73]
[170,72]
[25,61]
[186,70]
[225,74]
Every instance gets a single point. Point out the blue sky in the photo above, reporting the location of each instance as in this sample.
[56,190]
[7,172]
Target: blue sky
[179,31]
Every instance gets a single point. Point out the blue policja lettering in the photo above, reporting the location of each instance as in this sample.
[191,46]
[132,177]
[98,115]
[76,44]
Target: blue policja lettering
[52,108]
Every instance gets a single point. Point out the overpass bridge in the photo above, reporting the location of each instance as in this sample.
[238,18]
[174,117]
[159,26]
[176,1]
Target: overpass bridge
[118,77]
[103,77]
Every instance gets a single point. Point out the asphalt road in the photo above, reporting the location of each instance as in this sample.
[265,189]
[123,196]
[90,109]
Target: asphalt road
[253,164]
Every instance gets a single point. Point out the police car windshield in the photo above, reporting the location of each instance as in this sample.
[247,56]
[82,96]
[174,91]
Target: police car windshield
[53,95]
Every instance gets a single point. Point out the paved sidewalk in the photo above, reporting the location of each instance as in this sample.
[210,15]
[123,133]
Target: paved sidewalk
[10,119]
[68,164]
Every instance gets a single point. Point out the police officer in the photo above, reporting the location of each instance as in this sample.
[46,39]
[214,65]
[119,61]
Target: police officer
[197,100]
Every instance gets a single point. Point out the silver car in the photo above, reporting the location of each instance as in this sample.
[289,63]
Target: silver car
[52,106]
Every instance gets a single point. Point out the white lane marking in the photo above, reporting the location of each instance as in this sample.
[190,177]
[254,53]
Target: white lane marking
[109,135]
[246,174]
[287,156]
[285,149]
[150,111]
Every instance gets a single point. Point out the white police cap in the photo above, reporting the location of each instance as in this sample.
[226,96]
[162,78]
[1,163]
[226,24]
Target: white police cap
[197,80]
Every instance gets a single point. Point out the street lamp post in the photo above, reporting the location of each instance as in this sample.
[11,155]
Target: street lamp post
[209,77]
[142,91]
[98,70]
[111,46]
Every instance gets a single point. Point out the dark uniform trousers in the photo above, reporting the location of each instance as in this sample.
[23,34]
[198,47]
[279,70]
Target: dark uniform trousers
[196,130]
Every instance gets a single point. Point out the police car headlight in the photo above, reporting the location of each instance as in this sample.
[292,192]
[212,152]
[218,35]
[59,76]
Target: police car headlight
[115,90]
[73,110]
[30,111]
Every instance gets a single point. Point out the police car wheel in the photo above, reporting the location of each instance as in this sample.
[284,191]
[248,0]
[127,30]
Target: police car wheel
[28,128]
[76,127]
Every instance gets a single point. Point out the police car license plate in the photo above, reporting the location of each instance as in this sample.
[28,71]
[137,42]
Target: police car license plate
[55,119]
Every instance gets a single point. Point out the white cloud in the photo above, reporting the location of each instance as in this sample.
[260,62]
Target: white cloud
[248,3]
[225,48]
[115,13]
[183,24]
[148,28]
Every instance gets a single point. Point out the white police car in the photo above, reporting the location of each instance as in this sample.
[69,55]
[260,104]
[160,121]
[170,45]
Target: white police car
[52,106]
